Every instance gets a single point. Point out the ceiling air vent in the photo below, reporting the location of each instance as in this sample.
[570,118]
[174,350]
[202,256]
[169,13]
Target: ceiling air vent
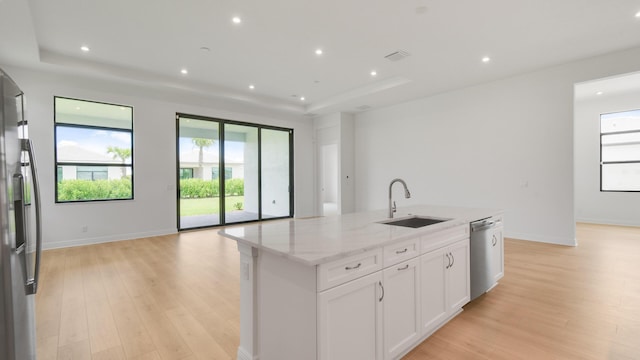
[397,55]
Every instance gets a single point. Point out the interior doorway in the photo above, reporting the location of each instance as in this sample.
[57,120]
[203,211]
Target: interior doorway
[328,179]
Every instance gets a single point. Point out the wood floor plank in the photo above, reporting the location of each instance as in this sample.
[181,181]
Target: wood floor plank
[177,297]
[201,343]
[47,348]
[148,356]
[114,353]
[80,350]
[73,317]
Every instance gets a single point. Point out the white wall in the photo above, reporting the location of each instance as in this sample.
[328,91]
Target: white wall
[153,211]
[592,205]
[506,144]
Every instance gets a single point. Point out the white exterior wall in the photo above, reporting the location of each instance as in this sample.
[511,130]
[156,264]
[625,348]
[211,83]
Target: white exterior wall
[153,211]
[506,144]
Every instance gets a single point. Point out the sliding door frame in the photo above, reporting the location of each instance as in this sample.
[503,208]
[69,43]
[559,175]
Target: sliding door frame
[221,168]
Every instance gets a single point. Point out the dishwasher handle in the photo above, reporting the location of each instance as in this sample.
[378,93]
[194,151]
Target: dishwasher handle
[484,225]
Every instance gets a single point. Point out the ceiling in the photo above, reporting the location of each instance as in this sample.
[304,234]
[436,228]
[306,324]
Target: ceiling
[273,48]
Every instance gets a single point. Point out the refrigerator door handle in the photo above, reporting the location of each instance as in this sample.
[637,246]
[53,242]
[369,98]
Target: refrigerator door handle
[19,210]
[32,284]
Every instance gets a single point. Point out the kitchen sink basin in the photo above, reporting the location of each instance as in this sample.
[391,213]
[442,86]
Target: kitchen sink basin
[414,221]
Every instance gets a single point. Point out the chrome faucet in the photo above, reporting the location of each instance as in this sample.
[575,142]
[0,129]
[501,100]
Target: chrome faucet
[392,204]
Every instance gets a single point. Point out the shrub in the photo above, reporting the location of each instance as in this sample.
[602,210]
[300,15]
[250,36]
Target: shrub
[234,187]
[198,188]
[75,190]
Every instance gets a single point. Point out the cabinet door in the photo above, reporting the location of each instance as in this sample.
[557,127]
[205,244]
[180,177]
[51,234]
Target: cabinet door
[401,307]
[432,287]
[497,255]
[350,320]
[458,276]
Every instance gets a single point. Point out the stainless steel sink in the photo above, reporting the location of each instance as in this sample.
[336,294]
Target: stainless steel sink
[414,221]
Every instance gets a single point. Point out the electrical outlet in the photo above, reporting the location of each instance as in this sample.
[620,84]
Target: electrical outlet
[85,229]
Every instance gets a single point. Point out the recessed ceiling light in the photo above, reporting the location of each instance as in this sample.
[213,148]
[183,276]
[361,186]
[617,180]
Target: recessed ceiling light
[252,87]
[301,98]
[318,51]
[77,107]
[638,14]
[236,20]
[85,48]
[599,93]
[374,73]
[486,59]
[184,71]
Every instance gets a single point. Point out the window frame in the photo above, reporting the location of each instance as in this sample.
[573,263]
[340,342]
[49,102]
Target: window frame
[603,163]
[59,164]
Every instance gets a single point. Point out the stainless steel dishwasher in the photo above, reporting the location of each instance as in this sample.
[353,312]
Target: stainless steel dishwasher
[484,254]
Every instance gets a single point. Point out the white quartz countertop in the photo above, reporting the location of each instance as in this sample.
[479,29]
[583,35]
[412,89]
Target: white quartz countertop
[319,240]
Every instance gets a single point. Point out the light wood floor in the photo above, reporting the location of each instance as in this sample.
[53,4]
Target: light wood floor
[177,297]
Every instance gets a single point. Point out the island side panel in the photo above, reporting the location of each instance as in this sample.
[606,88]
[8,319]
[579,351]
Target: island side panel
[248,348]
[286,308]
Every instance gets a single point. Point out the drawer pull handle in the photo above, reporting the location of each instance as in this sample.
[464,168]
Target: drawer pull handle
[352,267]
[494,240]
[404,267]
[402,251]
[382,288]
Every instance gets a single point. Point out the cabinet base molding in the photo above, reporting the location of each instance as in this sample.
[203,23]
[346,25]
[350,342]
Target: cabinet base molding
[425,336]
[245,355]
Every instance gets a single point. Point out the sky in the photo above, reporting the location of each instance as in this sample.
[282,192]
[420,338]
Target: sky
[98,141]
[94,140]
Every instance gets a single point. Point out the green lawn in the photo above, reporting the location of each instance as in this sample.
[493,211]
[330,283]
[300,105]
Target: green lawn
[206,206]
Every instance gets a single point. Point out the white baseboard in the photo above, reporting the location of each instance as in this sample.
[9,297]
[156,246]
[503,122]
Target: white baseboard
[608,222]
[541,238]
[245,355]
[104,239]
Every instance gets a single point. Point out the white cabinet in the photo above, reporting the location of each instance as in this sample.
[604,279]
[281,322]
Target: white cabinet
[350,320]
[432,286]
[401,307]
[457,284]
[444,284]
[497,249]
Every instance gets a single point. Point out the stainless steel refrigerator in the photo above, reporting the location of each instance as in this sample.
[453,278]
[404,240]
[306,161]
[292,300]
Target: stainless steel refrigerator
[20,235]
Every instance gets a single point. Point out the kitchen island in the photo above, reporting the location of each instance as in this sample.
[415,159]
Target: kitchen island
[350,286]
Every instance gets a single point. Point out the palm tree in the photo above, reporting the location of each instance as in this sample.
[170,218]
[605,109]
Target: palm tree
[121,153]
[201,143]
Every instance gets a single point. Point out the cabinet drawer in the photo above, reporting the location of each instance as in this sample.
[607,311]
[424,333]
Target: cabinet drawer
[340,271]
[399,252]
[443,238]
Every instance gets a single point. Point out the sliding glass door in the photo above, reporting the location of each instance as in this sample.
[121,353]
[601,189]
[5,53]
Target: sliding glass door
[275,173]
[231,172]
[198,172]
[241,162]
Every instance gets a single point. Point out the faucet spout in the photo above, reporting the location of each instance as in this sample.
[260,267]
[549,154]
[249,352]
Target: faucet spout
[392,204]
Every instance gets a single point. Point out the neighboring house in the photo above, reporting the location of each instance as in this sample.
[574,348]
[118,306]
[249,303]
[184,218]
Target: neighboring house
[90,164]
[190,167]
